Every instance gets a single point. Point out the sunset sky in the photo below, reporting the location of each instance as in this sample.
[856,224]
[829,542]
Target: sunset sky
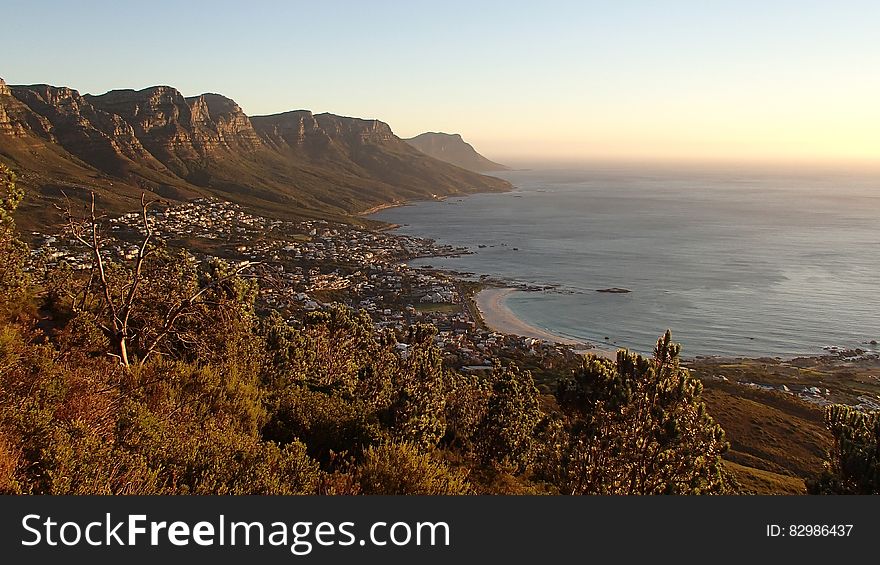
[682,80]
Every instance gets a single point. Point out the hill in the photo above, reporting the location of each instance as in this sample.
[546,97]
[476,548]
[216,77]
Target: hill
[451,148]
[123,142]
[777,439]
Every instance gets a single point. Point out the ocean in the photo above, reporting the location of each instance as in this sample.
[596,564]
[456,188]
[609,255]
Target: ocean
[734,263]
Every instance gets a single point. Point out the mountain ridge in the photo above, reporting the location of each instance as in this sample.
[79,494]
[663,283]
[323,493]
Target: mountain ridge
[453,149]
[293,164]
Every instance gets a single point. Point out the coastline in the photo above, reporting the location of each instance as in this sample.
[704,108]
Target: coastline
[381,207]
[844,375]
[501,319]
[497,316]
[489,305]
[398,203]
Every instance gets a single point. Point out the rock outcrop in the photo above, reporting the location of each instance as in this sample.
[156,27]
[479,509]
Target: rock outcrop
[179,129]
[17,120]
[220,123]
[289,130]
[101,139]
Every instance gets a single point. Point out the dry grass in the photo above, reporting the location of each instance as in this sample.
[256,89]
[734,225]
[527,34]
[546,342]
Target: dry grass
[776,440]
[764,482]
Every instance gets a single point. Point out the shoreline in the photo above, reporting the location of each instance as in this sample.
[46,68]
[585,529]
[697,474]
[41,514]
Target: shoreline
[495,315]
[490,303]
[401,203]
[380,207]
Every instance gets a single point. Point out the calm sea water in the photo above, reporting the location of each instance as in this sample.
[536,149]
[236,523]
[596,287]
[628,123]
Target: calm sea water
[734,263]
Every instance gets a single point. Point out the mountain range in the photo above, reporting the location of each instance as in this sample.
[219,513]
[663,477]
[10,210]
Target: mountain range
[450,147]
[294,164]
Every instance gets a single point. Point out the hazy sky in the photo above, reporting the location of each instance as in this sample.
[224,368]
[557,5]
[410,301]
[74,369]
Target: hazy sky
[702,79]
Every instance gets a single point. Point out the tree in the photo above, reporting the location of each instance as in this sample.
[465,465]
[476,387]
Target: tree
[119,288]
[853,465]
[505,436]
[13,279]
[417,413]
[467,398]
[10,196]
[634,426]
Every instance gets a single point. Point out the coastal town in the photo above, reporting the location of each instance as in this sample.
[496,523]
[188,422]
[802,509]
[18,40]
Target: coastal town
[313,264]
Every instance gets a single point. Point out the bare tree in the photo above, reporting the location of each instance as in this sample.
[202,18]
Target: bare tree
[187,305]
[117,326]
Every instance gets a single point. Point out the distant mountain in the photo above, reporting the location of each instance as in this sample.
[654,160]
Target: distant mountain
[450,147]
[124,142]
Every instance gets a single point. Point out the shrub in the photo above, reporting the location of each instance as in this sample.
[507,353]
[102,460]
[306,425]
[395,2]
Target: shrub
[853,465]
[634,426]
[400,468]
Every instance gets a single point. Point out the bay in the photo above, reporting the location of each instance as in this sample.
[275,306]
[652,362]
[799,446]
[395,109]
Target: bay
[733,262]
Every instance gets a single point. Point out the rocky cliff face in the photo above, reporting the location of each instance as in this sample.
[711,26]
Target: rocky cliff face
[455,150]
[301,127]
[17,120]
[220,123]
[354,130]
[6,126]
[290,129]
[61,115]
[160,118]
[126,141]
[4,119]
[181,128]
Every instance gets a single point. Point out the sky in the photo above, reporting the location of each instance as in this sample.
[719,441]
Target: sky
[677,80]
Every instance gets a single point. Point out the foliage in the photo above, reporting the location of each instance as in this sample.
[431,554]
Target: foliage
[854,461]
[416,413]
[634,426]
[13,280]
[10,196]
[505,434]
[329,424]
[400,468]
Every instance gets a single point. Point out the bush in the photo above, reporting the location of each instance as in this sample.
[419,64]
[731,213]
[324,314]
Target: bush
[9,462]
[13,279]
[327,424]
[505,435]
[634,426]
[400,468]
[853,465]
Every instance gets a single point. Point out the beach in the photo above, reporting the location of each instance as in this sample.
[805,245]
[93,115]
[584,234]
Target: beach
[498,317]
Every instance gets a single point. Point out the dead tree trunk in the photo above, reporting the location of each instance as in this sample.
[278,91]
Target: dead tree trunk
[117,330]
[118,316]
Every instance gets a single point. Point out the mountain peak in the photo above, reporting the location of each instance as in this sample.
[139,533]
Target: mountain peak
[452,148]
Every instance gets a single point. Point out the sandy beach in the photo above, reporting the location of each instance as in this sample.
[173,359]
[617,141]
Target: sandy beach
[498,317]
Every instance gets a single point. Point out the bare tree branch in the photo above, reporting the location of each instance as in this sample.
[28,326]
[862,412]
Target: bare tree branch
[120,309]
[119,316]
[183,307]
